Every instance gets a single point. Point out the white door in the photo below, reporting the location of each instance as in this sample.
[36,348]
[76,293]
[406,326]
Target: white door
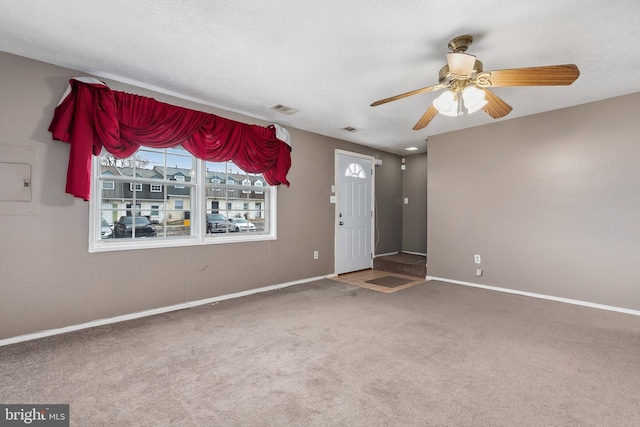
[354,196]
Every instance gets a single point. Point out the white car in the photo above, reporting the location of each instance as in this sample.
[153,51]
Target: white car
[241,224]
[106,232]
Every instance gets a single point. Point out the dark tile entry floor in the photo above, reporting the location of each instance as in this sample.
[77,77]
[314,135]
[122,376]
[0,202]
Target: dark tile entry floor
[367,278]
[389,281]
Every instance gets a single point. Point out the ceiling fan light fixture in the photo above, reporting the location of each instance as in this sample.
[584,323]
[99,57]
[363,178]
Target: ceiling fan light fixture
[447,104]
[469,84]
[460,63]
[473,99]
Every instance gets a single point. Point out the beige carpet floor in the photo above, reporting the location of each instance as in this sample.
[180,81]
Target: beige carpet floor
[332,354]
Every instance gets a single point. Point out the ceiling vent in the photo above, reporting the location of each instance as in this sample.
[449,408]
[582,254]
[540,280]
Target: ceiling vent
[284,109]
[351,129]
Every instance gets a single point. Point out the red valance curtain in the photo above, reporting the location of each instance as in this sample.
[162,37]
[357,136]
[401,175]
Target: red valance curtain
[92,116]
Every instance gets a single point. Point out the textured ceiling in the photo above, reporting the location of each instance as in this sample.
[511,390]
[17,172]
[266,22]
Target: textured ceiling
[330,59]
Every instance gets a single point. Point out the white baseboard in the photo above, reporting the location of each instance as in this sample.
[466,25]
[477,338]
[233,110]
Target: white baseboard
[397,252]
[387,254]
[154,311]
[541,296]
[415,253]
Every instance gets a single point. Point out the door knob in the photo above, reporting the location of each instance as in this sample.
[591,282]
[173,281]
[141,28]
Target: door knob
[341,222]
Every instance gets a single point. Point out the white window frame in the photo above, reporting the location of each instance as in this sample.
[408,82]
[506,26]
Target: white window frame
[198,209]
[136,185]
[111,186]
[155,188]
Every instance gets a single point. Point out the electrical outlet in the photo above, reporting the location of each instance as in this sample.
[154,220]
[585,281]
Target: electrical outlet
[315,254]
[478,272]
[477,259]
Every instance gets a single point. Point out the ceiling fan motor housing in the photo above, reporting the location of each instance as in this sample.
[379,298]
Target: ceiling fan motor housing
[444,76]
[460,43]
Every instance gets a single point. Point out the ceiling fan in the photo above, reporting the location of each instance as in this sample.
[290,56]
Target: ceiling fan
[468,84]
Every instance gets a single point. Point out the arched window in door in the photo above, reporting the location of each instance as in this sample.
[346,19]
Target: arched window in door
[354,170]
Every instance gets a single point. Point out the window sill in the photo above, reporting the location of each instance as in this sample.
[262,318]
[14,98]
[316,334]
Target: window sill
[110,245]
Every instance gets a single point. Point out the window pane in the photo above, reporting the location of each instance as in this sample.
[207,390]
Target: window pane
[105,231]
[178,223]
[134,227]
[108,193]
[216,167]
[354,170]
[152,159]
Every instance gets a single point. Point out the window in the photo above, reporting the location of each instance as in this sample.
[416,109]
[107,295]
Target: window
[180,178]
[246,182]
[197,211]
[230,181]
[354,170]
[258,183]
[129,206]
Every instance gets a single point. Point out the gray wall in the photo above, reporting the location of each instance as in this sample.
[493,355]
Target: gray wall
[414,214]
[49,280]
[551,202]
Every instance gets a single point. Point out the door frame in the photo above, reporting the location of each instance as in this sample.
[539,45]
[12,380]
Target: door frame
[338,153]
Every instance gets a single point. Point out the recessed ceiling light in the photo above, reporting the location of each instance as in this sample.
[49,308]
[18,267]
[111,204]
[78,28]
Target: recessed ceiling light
[411,148]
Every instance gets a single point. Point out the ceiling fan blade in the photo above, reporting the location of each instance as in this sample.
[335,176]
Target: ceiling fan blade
[550,75]
[426,118]
[413,92]
[460,63]
[495,107]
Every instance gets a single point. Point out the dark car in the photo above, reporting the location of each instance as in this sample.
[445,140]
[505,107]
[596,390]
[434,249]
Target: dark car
[217,223]
[124,227]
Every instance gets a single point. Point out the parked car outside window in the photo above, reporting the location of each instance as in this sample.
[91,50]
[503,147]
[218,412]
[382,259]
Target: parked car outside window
[106,231]
[143,227]
[217,223]
[241,224]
